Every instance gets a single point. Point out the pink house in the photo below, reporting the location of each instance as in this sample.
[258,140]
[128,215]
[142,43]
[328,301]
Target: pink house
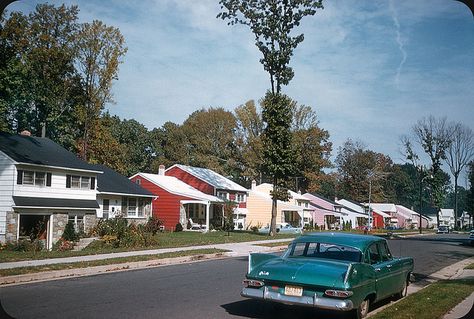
[412,218]
[327,213]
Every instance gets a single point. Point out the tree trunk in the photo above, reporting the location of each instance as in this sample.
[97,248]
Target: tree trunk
[456,201]
[274,208]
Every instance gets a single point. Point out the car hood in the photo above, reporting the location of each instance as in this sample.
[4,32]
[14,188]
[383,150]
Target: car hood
[303,271]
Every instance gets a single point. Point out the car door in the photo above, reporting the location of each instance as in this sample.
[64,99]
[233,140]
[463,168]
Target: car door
[383,270]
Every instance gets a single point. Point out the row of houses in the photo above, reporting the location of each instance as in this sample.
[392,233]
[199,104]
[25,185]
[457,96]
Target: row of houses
[43,187]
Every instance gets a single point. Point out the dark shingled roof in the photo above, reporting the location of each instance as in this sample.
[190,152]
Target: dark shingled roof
[112,182]
[40,151]
[55,202]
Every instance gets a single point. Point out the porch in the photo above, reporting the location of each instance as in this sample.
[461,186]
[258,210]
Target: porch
[198,215]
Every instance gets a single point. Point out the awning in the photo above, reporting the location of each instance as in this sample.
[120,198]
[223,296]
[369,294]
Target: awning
[54,203]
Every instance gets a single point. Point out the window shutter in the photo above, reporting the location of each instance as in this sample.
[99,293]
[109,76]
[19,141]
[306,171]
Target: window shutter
[92,182]
[19,177]
[48,179]
[68,181]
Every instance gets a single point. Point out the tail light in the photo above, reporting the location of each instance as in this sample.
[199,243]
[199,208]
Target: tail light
[253,283]
[338,293]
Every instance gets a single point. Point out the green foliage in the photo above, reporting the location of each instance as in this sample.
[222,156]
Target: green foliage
[69,233]
[63,245]
[272,23]
[153,225]
[229,219]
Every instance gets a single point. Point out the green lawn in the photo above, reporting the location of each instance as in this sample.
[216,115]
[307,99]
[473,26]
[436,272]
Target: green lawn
[471,266]
[165,240]
[85,264]
[430,303]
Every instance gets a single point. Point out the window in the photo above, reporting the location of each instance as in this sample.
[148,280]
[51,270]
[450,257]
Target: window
[240,198]
[323,251]
[80,182]
[140,207]
[374,256]
[78,222]
[138,181]
[33,178]
[223,195]
[384,252]
[28,178]
[85,182]
[132,207]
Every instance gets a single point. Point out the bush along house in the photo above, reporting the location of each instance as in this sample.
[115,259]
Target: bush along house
[42,187]
[119,196]
[179,203]
[212,183]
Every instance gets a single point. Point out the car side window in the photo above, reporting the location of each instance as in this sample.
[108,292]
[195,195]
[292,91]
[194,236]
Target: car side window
[384,251]
[374,256]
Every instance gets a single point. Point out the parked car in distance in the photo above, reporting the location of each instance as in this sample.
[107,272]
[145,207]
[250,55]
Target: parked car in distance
[282,228]
[471,238]
[335,271]
[443,230]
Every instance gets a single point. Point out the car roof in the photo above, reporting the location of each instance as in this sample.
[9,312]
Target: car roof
[360,242]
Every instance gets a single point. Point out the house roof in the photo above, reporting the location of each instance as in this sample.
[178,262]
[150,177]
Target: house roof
[54,203]
[385,207]
[352,206]
[112,182]
[212,178]
[323,198]
[175,186]
[40,151]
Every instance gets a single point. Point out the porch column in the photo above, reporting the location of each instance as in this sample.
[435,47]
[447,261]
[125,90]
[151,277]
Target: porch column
[208,205]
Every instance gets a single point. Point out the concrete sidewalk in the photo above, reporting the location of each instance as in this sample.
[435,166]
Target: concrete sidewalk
[236,249]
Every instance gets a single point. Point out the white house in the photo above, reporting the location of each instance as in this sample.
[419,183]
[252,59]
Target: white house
[354,212]
[446,217]
[42,187]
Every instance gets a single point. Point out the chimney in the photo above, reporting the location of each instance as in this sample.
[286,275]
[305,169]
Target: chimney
[25,133]
[161,170]
[254,185]
[299,192]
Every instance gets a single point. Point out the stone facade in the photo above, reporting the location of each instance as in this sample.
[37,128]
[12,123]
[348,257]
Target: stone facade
[59,224]
[90,221]
[12,226]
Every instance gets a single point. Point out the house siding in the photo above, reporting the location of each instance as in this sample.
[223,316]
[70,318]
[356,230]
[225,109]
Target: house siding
[167,206]
[191,180]
[7,180]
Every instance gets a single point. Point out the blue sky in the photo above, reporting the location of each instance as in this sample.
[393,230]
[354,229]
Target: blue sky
[370,69]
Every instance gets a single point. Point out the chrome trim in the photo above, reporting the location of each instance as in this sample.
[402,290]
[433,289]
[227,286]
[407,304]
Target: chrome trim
[309,301]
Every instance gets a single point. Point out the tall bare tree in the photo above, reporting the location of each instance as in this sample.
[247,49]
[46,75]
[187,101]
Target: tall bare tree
[459,153]
[434,137]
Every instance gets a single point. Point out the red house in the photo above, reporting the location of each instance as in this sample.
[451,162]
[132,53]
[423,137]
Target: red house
[210,182]
[178,202]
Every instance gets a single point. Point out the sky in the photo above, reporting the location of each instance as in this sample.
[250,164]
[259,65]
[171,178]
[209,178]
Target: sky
[369,69]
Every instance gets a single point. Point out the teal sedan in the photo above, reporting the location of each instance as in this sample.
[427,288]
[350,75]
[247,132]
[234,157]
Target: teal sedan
[335,271]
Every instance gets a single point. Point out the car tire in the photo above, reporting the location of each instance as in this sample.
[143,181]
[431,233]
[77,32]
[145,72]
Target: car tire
[403,292]
[363,309]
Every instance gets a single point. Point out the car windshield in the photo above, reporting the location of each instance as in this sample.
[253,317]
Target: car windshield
[323,250]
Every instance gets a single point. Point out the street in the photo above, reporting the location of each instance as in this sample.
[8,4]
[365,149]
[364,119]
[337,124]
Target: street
[199,290]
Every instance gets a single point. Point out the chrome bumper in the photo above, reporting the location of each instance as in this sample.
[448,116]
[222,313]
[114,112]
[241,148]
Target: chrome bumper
[314,301]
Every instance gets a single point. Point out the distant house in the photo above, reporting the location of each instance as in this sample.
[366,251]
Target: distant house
[43,186]
[259,207]
[327,213]
[117,195]
[356,214]
[396,220]
[412,218]
[178,202]
[212,183]
[446,217]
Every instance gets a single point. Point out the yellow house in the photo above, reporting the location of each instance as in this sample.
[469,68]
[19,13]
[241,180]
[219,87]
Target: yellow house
[259,208]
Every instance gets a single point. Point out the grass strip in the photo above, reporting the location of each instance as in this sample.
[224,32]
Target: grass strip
[471,266]
[432,302]
[111,261]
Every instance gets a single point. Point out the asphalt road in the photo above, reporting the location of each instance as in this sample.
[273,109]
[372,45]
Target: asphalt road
[200,290]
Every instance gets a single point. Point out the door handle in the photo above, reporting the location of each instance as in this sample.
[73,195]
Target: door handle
[389,266]
[377,269]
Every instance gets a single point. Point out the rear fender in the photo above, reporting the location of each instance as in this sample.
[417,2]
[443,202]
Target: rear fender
[257,259]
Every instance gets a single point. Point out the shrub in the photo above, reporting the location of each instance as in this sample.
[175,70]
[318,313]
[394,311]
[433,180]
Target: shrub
[178,227]
[254,229]
[63,245]
[70,233]
[153,225]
